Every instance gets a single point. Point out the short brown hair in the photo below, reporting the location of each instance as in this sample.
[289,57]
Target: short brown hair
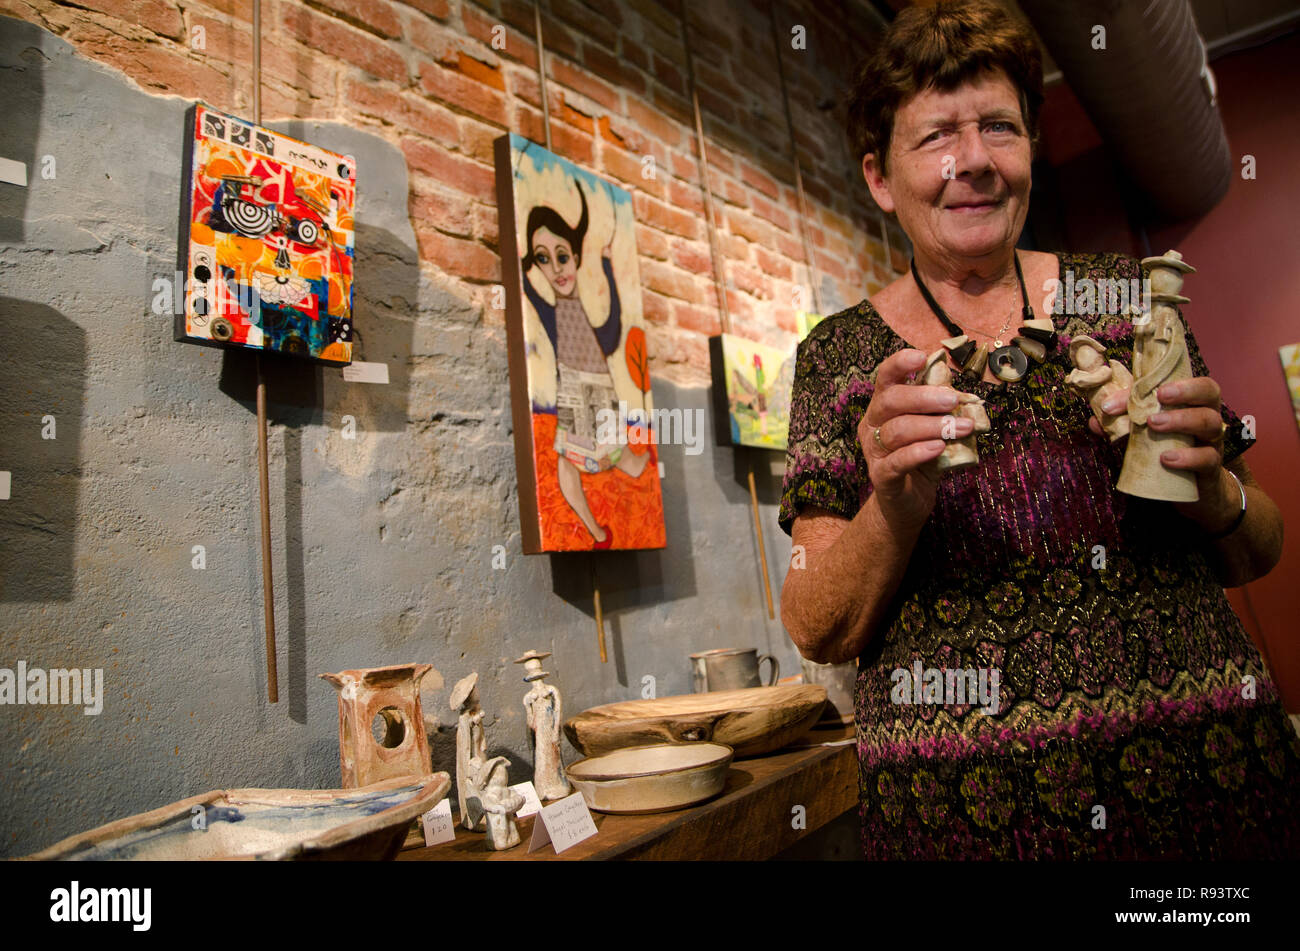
[941,46]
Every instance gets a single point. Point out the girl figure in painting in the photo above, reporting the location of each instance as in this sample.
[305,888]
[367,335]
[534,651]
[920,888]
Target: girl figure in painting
[584,385]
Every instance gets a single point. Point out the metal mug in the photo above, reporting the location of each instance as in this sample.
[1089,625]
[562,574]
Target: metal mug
[838,679]
[730,668]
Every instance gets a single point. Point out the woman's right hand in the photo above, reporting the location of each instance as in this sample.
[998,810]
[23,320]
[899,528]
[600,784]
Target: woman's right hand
[910,420]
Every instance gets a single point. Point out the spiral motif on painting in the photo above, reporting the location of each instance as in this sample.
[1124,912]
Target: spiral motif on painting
[248,218]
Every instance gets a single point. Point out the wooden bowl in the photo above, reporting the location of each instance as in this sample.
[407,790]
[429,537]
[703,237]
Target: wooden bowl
[657,778]
[752,721]
[275,824]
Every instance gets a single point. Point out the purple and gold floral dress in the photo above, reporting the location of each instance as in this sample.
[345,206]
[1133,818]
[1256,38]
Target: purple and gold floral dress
[1135,718]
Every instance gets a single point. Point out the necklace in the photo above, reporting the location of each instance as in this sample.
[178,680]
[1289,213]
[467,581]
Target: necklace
[1008,362]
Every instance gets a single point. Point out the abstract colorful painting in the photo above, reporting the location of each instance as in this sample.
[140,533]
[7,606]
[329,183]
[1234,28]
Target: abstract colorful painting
[805,322]
[756,380]
[1291,367]
[585,450]
[267,241]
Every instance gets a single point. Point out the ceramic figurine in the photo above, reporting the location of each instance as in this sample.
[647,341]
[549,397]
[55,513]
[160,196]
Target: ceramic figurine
[959,453]
[498,803]
[1159,357]
[1097,380]
[391,694]
[542,704]
[471,748]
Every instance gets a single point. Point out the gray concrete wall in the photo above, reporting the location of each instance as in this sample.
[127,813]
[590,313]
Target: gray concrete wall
[382,544]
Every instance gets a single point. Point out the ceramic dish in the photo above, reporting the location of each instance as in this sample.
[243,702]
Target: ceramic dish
[752,721]
[652,778]
[274,824]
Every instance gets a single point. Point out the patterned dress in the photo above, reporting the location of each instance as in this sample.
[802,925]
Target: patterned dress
[1135,718]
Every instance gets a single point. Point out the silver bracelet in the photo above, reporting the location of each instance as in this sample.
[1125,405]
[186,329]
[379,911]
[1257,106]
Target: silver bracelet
[1241,516]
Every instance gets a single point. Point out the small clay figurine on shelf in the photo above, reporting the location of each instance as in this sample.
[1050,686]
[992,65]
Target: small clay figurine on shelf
[498,803]
[959,453]
[542,704]
[471,747]
[1097,380]
[1159,357]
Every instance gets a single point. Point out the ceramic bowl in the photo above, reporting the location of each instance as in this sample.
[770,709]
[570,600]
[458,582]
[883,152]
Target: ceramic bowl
[657,778]
[276,824]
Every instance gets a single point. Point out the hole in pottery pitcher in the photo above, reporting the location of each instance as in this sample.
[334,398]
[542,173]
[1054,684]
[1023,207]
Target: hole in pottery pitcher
[388,728]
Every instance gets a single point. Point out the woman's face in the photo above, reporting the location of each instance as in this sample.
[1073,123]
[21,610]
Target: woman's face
[554,256]
[959,169]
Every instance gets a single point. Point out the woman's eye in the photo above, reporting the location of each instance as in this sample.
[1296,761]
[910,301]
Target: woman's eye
[562,258]
[542,257]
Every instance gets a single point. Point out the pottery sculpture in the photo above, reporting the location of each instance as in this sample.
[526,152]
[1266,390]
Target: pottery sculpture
[960,453]
[543,706]
[1159,357]
[390,695]
[498,804]
[471,747]
[1097,380]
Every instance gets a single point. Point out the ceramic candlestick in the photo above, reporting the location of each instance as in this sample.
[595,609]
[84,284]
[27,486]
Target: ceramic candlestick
[1159,357]
[542,704]
[959,453]
[393,695]
[471,749]
[1097,380]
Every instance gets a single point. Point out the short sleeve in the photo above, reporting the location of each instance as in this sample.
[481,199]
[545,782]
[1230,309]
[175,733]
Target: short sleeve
[1237,439]
[824,465]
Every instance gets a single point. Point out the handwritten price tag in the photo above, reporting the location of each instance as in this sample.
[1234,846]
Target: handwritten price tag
[563,824]
[437,824]
[532,805]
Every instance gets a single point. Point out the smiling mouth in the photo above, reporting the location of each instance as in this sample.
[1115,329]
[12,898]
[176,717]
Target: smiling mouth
[973,206]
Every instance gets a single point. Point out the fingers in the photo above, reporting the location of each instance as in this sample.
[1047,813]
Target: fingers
[898,367]
[1118,402]
[1201,422]
[1198,391]
[899,432]
[904,400]
[1202,459]
[902,461]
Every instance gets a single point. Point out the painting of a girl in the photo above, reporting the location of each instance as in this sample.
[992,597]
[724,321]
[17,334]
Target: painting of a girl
[596,484]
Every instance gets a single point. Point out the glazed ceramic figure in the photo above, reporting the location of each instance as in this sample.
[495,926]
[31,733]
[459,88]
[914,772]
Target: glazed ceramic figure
[959,453]
[1159,357]
[1097,380]
[471,748]
[499,804]
[542,704]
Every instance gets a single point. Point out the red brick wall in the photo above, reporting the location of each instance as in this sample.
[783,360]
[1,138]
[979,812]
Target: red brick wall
[425,74]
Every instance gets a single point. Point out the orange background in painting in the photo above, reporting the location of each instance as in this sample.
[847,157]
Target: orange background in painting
[633,510]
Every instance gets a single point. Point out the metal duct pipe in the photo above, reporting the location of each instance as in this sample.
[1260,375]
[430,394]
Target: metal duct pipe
[1149,92]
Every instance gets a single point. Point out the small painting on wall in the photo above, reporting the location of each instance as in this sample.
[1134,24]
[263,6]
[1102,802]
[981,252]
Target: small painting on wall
[583,413]
[267,241]
[753,380]
[1291,367]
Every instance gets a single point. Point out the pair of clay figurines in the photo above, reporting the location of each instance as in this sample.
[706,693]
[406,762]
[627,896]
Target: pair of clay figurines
[487,803]
[1159,356]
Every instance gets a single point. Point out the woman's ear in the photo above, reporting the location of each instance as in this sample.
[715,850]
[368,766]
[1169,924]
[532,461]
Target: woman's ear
[877,183]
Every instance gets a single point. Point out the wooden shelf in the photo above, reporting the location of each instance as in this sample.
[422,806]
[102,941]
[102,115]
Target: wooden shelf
[751,820]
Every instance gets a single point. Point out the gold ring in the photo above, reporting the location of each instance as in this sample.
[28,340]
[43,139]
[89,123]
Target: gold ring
[880,442]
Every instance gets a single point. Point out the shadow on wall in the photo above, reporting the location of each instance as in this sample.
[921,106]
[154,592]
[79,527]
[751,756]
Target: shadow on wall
[41,394]
[24,98]
[387,276]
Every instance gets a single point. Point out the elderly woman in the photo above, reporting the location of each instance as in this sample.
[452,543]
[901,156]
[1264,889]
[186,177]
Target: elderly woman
[1046,668]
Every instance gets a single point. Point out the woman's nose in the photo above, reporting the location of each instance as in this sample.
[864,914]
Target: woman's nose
[971,156]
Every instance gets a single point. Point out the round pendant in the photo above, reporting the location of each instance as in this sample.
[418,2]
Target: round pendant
[1009,363]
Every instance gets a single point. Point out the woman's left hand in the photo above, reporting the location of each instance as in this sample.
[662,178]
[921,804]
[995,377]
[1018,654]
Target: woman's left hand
[1192,407]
